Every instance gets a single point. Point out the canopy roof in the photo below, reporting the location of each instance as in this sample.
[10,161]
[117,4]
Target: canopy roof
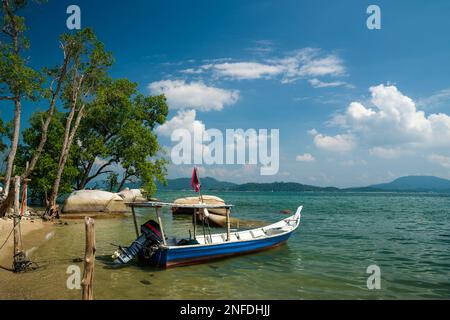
[155,204]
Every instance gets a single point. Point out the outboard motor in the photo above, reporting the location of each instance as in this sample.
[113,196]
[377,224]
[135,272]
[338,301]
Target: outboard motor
[146,244]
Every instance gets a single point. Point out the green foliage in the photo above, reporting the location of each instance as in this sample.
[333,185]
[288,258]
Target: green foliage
[112,181]
[3,134]
[118,130]
[45,171]
[88,64]
[16,78]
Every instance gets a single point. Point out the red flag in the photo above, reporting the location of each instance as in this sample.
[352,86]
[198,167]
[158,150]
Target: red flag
[195,181]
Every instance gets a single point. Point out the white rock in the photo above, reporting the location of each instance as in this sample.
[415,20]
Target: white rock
[94,201]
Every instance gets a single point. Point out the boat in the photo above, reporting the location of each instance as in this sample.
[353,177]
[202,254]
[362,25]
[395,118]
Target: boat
[153,247]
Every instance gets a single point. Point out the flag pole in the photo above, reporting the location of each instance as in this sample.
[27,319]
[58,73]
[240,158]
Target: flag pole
[199,185]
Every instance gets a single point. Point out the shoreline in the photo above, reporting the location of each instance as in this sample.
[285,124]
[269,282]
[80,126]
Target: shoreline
[30,228]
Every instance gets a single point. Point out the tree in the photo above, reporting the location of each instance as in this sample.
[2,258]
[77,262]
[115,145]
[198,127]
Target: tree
[85,75]
[17,80]
[2,135]
[44,173]
[117,135]
[57,76]
[112,181]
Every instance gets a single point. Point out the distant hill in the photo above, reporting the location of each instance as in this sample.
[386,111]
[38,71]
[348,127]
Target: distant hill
[208,183]
[406,184]
[280,186]
[415,183]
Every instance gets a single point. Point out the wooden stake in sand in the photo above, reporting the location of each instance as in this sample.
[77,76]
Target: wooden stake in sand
[89,260]
[16,221]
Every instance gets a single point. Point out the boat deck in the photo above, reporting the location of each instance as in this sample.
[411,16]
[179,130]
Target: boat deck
[280,227]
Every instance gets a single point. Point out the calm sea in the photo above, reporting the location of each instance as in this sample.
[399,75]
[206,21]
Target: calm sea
[407,235]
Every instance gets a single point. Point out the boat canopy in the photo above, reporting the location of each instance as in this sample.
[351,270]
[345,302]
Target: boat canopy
[156,204]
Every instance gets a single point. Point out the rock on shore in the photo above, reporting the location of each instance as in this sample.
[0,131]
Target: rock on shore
[85,201]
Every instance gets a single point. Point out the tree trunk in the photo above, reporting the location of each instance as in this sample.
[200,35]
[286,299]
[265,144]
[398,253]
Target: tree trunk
[84,179]
[87,178]
[14,144]
[68,140]
[17,111]
[48,120]
[122,183]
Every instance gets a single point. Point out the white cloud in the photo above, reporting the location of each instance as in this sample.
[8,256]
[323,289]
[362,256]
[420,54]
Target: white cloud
[393,121]
[316,83]
[307,157]
[386,153]
[302,64]
[439,98]
[439,159]
[352,163]
[310,63]
[194,95]
[186,119]
[337,143]
[330,65]
[182,120]
[244,70]
[312,132]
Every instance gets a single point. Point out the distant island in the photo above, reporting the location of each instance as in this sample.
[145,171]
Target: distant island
[402,184]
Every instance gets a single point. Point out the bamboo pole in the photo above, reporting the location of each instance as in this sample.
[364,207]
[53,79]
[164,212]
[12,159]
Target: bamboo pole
[195,223]
[16,219]
[89,260]
[163,235]
[24,207]
[228,224]
[135,222]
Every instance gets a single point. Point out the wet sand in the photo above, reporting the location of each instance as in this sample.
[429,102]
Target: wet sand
[34,232]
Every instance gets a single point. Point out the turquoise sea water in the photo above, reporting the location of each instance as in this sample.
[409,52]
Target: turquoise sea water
[406,234]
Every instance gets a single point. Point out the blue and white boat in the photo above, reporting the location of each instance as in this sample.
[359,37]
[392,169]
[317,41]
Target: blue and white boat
[152,246]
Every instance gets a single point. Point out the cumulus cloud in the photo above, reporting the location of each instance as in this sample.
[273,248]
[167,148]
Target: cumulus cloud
[393,120]
[184,119]
[390,125]
[307,157]
[194,95]
[337,143]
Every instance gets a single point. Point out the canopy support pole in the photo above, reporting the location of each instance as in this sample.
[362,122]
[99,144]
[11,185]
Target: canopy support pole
[135,222]
[194,218]
[161,225]
[228,224]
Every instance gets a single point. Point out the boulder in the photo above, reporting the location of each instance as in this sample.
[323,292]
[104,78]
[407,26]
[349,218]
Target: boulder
[131,195]
[196,200]
[85,201]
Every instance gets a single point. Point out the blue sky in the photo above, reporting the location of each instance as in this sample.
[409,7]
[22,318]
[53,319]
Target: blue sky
[354,106]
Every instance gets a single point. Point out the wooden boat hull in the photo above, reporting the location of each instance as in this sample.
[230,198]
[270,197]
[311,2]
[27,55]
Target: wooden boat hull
[217,246]
[188,255]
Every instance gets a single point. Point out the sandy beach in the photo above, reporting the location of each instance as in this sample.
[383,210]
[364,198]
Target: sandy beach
[31,229]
